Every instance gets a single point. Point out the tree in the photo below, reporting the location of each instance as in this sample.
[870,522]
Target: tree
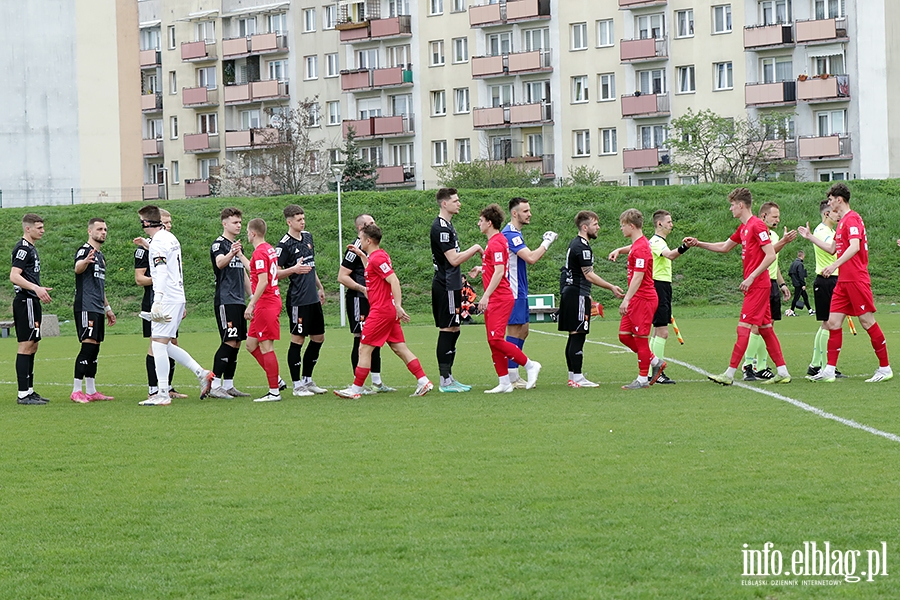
[718,149]
[359,174]
[481,173]
[583,176]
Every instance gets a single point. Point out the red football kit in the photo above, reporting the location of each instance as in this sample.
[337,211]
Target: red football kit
[382,325]
[753,236]
[642,306]
[853,292]
[265,324]
[500,305]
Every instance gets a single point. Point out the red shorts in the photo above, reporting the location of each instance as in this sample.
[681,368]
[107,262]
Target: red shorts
[496,317]
[757,310]
[852,298]
[639,318]
[379,329]
[265,324]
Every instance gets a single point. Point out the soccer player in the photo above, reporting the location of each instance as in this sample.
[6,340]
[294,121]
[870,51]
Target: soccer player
[352,275]
[446,287]
[264,307]
[383,325]
[662,281]
[576,278]
[757,254]
[519,258]
[497,303]
[297,261]
[853,292]
[797,273]
[640,302]
[92,312]
[232,283]
[25,275]
[168,305]
[823,288]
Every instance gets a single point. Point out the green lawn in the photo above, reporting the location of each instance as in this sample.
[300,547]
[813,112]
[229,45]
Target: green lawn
[550,493]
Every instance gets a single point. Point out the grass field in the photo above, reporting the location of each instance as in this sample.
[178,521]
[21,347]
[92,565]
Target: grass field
[550,493]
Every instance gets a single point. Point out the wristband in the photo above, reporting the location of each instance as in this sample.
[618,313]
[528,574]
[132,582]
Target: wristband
[546,244]
[782,285]
[683,248]
[108,308]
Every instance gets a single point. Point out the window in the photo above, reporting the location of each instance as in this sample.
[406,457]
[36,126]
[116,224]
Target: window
[401,154]
[367,59]
[309,20]
[246,26]
[607,87]
[828,65]
[206,77]
[536,91]
[436,7]
[534,144]
[499,43]
[369,107]
[332,65]
[580,88]
[830,122]
[653,136]
[650,26]
[459,5]
[460,50]
[690,180]
[401,104]
[536,39]
[501,95]
[724,80]
[579,36]
[605,33]
[654,181]
[439,153]
[173,127]
[205,164]
[722,18]
[438,103]
[154,129]
[249,119]
[312,159]
[830,9]
[581,142]
[171,36]
[461,100]
[329,18]
[684,23]
[501,147]
[312,115]
[464,151]
[829,175]
[398,7]
[312,67]
[175,175]
[686,84]
[173,83]
[278,23]
[208,123]
[334,155]
[778,68]
[437,53]
[652,81]
[334,113]
[205,31]
[398,56]
[372,155]
[608,141]
[150,39]
[278,69]
[773,12]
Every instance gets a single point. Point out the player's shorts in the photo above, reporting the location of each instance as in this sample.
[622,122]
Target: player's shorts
[520,314]
[852,298]
[379,330]
[357,310]
[170,329]
[307,319]
[232,324]
[823,290]
[496,318]
[265,324]
[90,325]
[775,300]
[639,318]
[27,314]
[574,311]
[663,315]
[145,325]
[756,309]
[445,305]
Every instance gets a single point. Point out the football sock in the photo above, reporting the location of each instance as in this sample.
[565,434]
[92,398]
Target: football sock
[77,384]
[221,361]
[627,340]
[415,367]
[445,349]
[642,347]
[820,346]
[90,385]
[231,369]
[376,364]
[92,364]
[773,346]
[754,345]
[658,346]
[577,352]
[81,361]
[568,356]
[270,365]
[180,355]
[835,341]
[879,345]
[360,376]
[740,346]
[171,370]
[31,372]
[151,372]
[161,361]
[519,343]
[294,358]
[354,353]
[22,371]
[310,358]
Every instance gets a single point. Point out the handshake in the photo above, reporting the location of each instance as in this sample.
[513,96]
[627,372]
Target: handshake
[549,238]
[156,314]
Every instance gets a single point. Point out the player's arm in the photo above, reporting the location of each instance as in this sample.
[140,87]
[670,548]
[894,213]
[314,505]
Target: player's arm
[261,284]
[110,315]
[589,274]
[393,281]
[761,268]
[850,252]
[223,258]
[248,289]
[16,277]
[782,285]
[532,256]
[786,238]
[456,258]
[615,253]
[141,278]
[720,247]
[347,281]
[493,284]
[321,289]
[82,265]
[633,287]
[826,245]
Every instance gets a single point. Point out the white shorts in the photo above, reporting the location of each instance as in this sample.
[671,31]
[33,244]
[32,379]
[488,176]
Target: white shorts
[170,329]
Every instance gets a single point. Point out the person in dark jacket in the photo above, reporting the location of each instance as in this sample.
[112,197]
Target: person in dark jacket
[797,273]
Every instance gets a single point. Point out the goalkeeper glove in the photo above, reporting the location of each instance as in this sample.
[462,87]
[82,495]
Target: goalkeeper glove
[549,238]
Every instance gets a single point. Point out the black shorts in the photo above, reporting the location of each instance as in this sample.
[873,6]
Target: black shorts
[307,319]
[823,289]
[775,300]
[27,314]
[357,310]
[232,324]
[664,311]
[574,311]
[445,306]
[90,325]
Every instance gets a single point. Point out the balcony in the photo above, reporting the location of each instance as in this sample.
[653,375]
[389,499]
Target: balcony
[643,160]
[831,147]
[196,188]
[517,63]
[645,105]
[152,147]
[396,176]
[154,191]
[768,36]
[490,118]
[779,93]
[821,30]
[251,138]
[198,51]
[516,115]
[827,88]
[197,143]
[268,43]
[512,11]
[387,126]
[150,59]
[376,29]
[151,102]
[367,79]
[256,91]
[630,4]
[772,150]
[635,51]
[235,47]
[199,97]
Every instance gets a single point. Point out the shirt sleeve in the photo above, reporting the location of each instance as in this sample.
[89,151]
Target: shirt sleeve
[586,256]
[855,229]
[382,268]
[762,234]
[643,260]
[515,241]
[20,258]
[444,238]
[736,236]
[657,246]
[284,255]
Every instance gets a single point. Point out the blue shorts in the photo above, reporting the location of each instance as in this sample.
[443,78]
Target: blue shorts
[520,313]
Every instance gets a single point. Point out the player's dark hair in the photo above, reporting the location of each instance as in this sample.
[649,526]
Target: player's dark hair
[824,206]
[444,194]
[150,213]
[231,211]
[31,219]
[632,216]
[659,215]
[840,190]
[766,207]
[258,226]
[292,210]
[584,217]
[373,232]
[515,202]
[741,195]
[96,220]
[494,214]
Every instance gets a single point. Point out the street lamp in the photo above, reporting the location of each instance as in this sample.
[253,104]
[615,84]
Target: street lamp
[337,169]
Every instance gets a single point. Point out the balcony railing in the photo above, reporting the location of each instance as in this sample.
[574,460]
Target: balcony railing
[196,188]
[825,147]
[820,30]
[376,78]
[268,43]
[396,175]
[154,191]
[256,91]
[643,50]
[235,47]
[510,11]
[771,150]
[638,3]
[150,58]
[201,142]
[516,115]
[384,126]
[517,63]
[151,102]
[645,105]
[251,138]
[761,36]
[644,159]
[824,88]
[377,29]
[199,96]
[152,147]
[198,51]
[770,94]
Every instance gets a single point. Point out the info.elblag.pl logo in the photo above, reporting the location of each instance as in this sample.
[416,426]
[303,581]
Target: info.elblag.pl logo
[812,559]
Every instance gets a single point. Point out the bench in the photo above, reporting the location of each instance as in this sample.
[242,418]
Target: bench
[541,307]
[49,327]
[5,326]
